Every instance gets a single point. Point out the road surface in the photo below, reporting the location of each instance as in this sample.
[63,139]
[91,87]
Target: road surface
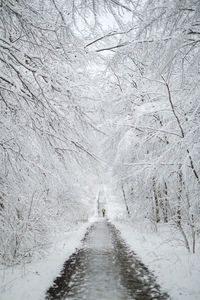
[104,269]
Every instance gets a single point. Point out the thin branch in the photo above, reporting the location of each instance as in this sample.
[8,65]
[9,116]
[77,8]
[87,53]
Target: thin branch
[122,5]
[107,35]
[153,164]
[152,129]
[173,109]
[192,166]
[113,47]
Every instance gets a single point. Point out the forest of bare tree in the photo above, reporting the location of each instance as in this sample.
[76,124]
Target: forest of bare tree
[90,89]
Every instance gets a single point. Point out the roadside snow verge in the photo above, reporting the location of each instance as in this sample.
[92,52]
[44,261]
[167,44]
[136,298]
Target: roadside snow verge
[177,271]
[30,281]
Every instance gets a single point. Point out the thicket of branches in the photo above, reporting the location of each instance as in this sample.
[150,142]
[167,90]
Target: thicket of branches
[156,121]
[45,133]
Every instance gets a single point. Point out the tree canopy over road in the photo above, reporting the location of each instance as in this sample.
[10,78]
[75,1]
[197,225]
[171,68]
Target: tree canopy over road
[92,87]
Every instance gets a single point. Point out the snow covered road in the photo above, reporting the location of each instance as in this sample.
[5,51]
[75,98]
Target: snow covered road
[104,268]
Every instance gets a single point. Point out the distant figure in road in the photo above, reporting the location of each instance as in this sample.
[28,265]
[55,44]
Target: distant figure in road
[103,211]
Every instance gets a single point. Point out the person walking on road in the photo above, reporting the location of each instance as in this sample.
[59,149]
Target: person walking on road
[103,211]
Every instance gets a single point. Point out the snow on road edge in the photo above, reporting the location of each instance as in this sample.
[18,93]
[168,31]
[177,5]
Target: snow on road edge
[177,272]
[31,281]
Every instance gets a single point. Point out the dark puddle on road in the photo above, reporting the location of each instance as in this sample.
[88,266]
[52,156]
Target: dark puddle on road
[104,269]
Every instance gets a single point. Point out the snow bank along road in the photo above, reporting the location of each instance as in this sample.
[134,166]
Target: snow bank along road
[104,269]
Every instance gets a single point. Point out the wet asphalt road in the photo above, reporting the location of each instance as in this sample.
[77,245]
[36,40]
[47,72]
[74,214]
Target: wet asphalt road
[104,269]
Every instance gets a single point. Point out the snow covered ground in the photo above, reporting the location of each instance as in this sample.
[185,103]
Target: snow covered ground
[177,271]
[30,282]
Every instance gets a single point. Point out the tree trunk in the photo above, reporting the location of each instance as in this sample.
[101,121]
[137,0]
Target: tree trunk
[124,195]
[180,184]
[157,212]
[165,205]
